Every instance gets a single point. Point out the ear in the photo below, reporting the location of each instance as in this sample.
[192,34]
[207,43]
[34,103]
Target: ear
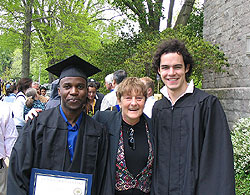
[119,102]
[187,68]
[149,91]
[58,89]
[159,72]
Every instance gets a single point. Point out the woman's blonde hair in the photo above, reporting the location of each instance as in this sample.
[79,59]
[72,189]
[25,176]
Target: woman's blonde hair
[129,85]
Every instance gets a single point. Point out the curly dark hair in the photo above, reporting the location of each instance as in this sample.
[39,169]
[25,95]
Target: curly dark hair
[173,46]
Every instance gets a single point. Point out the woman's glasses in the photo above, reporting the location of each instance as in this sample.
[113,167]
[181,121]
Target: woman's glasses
[131,139]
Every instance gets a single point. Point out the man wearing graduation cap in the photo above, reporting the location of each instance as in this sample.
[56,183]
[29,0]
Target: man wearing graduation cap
[63,138]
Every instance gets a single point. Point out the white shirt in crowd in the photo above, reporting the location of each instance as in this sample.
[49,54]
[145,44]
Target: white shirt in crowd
[8,132]
[18,107]
[149,106]
[109,100]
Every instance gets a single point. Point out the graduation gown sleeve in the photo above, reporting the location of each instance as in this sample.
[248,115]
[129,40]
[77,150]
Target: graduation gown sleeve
[216,173]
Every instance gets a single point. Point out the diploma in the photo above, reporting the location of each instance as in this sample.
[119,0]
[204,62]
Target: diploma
[50,182]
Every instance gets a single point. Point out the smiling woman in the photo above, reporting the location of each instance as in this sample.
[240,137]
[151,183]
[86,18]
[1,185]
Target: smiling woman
[131,96]
[131,148]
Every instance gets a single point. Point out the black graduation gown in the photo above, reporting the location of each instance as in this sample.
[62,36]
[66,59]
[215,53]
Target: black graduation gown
[43,144]
[194,154]
[113,122]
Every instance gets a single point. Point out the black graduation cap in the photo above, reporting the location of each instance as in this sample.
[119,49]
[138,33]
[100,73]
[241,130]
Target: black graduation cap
[73,66]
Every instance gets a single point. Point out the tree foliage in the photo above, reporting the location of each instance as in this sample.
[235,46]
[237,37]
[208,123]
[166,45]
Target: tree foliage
[136,58]
[60,28]
[68,27]
[111,56]
[17,16]
[206,55]
[185,12]
[148,13]
[9,43]
[195,21]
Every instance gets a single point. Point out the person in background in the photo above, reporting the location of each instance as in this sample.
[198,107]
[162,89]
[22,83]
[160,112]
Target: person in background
[54,99]
[18,105]
[4,88]
[43,92]
[110,100]
[93,104]
[36,86]
[99,95]
[194,153]
[8,136]
[0,87]
[32,101]
[149,83]
[131,143]
[10,93]
[108,82]
[63,138]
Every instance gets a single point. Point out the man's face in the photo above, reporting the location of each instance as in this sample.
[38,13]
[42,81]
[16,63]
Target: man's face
[36,86]
[108,85]
[172,71]
[73,92]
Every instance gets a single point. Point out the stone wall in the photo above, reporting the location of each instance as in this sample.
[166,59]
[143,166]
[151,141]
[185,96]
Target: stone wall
[227,24]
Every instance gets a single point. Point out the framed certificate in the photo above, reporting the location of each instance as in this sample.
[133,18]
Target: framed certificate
[50,182]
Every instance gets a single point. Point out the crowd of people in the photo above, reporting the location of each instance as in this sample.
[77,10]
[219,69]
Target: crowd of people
[128,141]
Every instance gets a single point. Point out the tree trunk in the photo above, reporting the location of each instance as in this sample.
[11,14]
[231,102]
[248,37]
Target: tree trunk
[185,13]
[51,76]
[27,40]
[170,13]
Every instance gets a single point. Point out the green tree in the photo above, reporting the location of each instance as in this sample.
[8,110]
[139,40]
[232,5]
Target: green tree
[64,27]
[206,55]
[185,12]
[70,27]
[111,56]
[149,13]
[28,6]
[17,16]
[135,55]
[195,22]
[8,44]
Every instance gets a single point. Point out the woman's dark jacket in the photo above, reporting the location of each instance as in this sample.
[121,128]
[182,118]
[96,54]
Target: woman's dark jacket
[113,122]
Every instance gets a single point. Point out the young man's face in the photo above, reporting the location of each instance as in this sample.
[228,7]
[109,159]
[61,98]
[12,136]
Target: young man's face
[73,92]
[172,71]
